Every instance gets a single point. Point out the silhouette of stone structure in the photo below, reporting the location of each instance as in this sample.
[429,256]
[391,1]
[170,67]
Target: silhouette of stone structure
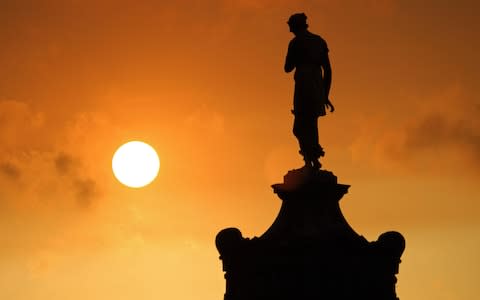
[310,251]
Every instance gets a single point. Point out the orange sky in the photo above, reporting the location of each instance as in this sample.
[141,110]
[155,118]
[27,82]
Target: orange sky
[203,82]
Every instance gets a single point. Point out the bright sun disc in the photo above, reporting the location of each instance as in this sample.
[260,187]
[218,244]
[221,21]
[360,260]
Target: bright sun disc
[135,164]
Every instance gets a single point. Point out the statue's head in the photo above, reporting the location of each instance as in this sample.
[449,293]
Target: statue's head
[297,22]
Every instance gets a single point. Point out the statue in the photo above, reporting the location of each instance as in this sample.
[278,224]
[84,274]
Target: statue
[308,55]
[310,251]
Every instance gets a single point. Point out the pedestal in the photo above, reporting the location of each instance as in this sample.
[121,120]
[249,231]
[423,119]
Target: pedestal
[310,251]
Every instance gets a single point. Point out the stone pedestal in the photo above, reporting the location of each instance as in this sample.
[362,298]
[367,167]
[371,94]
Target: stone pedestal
[310,251]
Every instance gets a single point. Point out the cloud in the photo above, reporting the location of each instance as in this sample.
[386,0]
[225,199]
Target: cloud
[41,165]
[10,170]
[441,133]
[85,191]
[64,163]
[445,129]
[437,131]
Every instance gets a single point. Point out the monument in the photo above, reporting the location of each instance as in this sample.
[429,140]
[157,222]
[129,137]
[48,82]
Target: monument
[310,251]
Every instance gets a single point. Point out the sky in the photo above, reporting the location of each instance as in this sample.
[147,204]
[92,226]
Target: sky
[203,83]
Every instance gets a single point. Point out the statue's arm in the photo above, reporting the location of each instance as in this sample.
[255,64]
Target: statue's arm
[327,78]
[289,61]
[327,74]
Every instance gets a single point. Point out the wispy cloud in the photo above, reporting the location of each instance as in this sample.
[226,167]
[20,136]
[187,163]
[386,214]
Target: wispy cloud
[438,132]
[10,170]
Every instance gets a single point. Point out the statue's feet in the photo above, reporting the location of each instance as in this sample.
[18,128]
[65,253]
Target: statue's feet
[310,166]
[316,165]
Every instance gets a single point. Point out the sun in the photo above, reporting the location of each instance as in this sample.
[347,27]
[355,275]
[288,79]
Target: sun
[135,164]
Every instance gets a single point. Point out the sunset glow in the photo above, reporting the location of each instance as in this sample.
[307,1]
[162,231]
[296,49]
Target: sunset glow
[203,83]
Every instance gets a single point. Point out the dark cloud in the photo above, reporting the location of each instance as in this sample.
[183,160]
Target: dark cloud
[85,191]
[437,132]
[432,131]
[10,170]
[64,163]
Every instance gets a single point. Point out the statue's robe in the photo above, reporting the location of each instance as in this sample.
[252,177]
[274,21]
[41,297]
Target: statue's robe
[308,53]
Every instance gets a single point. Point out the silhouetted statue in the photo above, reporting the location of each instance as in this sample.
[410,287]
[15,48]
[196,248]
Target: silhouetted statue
[308,55]
[310,251]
